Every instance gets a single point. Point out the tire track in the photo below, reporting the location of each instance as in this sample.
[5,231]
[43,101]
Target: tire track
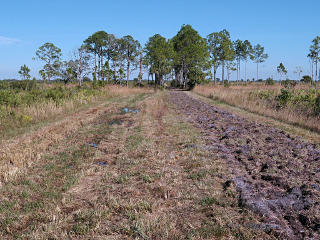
[276,175]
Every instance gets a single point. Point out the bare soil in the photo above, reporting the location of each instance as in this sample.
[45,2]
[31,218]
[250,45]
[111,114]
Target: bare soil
[275,174]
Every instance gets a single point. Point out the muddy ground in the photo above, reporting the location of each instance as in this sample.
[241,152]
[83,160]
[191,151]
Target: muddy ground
[276,175]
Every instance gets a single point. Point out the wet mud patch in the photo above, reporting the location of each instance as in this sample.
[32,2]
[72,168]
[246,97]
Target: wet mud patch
[275,174]
[129,110]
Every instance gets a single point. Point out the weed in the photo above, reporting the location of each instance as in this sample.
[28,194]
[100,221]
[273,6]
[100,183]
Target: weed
[208,201]
[122,179]
[210,230]
[134,141]
[198,175]
[146,178]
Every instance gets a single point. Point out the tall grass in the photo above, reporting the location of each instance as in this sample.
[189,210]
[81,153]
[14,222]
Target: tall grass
[19,152]
[23,104]
[299,106]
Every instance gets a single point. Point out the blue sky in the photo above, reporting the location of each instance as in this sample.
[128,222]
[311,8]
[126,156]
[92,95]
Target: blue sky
[285,28]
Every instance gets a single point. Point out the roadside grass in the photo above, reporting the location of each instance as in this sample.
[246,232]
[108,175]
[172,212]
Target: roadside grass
[36,139]
[298,106]
[31,197]
[288,126]
[38,114]
[145,179]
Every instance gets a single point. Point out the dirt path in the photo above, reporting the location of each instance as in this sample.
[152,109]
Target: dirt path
[164,166]
[127,175]
[275,174]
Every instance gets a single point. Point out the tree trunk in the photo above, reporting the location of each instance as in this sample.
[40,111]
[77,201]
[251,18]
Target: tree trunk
[95,65]
[312,69]
[316,70]
[239,70]
[80,71]
[222,77]
[99,62]
[160,79]
[108,71]
[102,71]
[128,72]
[215,74]
[245,71]
[140,79]
[157,78]
[257,71]
[115,71]
[319,77]
[316,78]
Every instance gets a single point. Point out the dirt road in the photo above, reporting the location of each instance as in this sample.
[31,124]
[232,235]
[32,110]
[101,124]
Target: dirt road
[162,166]
[276,175]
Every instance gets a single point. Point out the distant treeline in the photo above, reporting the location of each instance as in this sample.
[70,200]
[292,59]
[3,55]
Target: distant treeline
[185,59]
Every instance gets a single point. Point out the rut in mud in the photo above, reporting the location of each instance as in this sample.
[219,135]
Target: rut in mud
[275,174]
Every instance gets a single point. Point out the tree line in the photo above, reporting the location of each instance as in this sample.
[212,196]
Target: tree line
[187,58]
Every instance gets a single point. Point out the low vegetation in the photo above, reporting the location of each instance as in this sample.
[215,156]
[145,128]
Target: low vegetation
[298,105]
[25,103]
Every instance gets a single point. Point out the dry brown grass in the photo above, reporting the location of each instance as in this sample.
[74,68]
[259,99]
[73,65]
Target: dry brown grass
[49,110]
[239,96]
[20,152]
[116,90]
[153,185]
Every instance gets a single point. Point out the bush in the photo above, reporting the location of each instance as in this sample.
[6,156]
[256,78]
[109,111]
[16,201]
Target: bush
[195,76]
[9,98]
[317,105]
[226,83]
[269,81]
[18,85]
[284,97]
[264,94]
[138,84]
[289,83]
[101,83]
[307,79]
[86,79]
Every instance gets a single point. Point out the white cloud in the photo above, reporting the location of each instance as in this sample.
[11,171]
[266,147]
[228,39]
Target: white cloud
[8,41]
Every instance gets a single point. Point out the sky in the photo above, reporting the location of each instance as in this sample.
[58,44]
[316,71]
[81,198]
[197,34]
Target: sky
[284,27]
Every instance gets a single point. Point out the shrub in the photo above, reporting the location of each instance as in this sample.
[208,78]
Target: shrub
[226,83]
[265,94]
[9,98]
[269,81]
[101,83]
[86,79]
[306,79]
[284,97]
[317,105]
[289,83]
